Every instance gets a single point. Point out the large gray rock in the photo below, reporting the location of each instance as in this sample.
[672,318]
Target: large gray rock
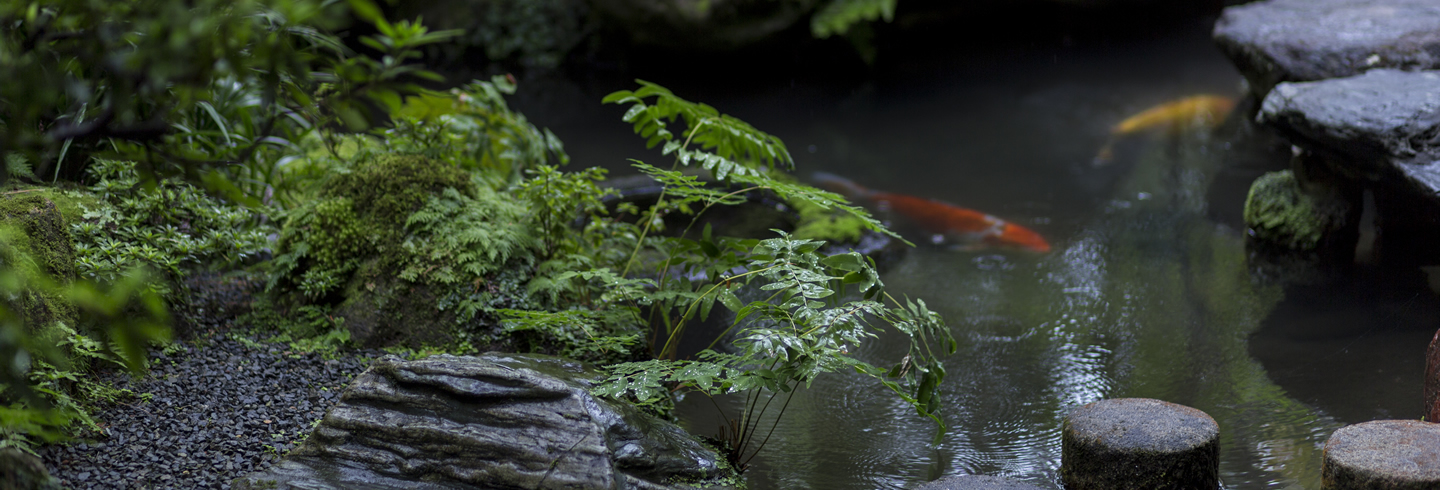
[1384,125]
[493,421]
[1303,40]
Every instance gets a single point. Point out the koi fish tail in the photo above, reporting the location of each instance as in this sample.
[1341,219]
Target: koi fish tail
[841,185]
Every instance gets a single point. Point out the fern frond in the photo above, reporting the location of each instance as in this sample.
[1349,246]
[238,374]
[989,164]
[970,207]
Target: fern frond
[838,16]
[736,144]
[17,165]
[825,199]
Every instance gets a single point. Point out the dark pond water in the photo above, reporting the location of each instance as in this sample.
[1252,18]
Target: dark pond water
[1147,292]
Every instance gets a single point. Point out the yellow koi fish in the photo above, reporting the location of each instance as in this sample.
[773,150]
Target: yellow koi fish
[1196,111]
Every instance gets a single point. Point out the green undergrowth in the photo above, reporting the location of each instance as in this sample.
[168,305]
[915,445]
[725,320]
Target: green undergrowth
[87,263]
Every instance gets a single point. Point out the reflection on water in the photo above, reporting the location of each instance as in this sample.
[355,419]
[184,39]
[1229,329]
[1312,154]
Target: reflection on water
[1146,294]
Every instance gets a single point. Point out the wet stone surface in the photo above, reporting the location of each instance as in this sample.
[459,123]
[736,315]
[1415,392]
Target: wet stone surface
[1383,454]
[490,421]
[976,482]
[1383,126]
[1139,443]
[1303,40]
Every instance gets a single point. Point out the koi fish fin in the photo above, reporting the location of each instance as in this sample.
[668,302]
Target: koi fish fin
[841,185]
[1105,156]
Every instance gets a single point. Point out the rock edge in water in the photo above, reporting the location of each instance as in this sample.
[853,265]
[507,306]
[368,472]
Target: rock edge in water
[491,421]
[1303,40]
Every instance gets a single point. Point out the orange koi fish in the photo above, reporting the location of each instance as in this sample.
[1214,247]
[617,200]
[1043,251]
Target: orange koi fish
[1196,111]
[970,228]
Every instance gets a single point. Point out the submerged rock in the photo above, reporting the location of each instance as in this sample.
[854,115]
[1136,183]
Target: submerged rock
[1278,212]
[493,421]
[1302,40]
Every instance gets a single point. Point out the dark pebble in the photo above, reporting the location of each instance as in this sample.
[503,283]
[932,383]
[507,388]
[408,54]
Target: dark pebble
[185,437]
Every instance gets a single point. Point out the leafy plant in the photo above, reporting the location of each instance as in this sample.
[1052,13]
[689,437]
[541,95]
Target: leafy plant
[806,325]
[838,16]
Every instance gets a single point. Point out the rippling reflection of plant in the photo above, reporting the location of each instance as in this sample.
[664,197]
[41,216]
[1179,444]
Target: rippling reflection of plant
[804,326]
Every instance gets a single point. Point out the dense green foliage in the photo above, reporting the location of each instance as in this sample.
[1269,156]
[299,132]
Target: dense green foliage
[399,209]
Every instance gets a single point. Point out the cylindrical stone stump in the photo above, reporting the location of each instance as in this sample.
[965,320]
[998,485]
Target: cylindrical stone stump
[1139,443]
[976,482]
[1383,455]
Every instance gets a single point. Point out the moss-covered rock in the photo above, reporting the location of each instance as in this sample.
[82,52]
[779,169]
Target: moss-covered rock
[1280,212]
[37,242]
[400,248]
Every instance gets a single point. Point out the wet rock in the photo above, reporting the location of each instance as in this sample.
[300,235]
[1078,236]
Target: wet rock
[1379,131]
[702,24]
[1139,443]
[1280,213]
[976,482]
[493,421]
[1383,454]
[1384,124]
[1303,40]
[1432,379]
[24,472]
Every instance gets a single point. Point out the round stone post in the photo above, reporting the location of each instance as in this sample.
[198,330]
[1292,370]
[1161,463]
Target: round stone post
[1383,455]
[1139,443]
[976,482]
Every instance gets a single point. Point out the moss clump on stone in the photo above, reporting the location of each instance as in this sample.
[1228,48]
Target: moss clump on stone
[1279,212]
[35,241]
[403,248]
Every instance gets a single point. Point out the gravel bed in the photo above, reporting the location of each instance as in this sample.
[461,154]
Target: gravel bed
[216,407]
[205,415]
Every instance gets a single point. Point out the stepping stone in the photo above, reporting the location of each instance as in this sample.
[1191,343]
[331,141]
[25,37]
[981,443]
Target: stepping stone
[1384,125]
[976,482]
[1303,40]
[1383,454]
[1139,443]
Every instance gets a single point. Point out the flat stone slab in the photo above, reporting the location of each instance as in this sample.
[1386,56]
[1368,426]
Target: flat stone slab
[1384,125]
[1304,40]
[1139,443]
[1383,454]
[492,421]
[976,482]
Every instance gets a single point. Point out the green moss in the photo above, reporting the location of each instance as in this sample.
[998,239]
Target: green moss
[405,249]
[38,244]
[1279,212]
[389,187]
[817,223]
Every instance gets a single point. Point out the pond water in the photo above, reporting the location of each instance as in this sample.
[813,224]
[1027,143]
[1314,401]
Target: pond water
[1147,292]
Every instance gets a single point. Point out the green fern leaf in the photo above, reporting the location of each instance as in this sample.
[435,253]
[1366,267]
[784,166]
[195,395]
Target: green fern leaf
[838,16]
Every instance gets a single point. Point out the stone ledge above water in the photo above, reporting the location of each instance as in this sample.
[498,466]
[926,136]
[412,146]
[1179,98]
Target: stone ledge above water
[1304,40]
[492,421]
[1383,125]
